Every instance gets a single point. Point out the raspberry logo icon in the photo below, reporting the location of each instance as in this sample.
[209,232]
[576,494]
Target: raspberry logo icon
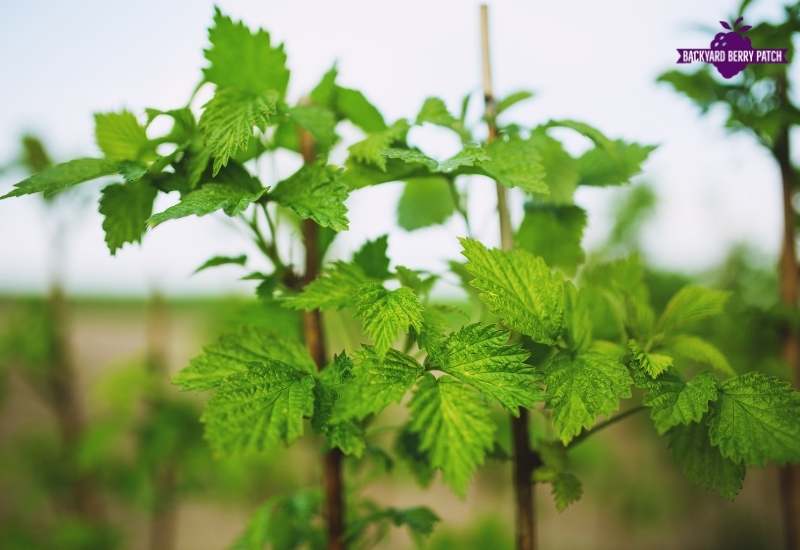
[732,41]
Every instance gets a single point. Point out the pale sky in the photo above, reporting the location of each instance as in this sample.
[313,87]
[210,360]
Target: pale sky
[593,61]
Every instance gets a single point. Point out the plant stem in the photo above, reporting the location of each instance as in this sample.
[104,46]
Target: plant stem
[613,420]
[788,275]
[525,459]
[313,331]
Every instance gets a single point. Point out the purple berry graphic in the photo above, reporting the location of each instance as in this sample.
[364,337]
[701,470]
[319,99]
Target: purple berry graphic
[734,40]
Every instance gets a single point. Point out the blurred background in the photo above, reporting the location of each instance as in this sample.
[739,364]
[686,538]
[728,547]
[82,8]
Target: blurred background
[706,208]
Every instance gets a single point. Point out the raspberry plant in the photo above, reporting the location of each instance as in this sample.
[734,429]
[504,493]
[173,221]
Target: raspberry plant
[573,347]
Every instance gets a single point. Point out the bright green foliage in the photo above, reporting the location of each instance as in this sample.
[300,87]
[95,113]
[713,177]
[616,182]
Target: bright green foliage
[455,427]
[259,407]
[319,121]
[372,258]
[425,202]
[232,191]
[515,163]
[560,169]
[703,464]
[582,388]
[126,208]
[233,353]
[376,381]
[553,233]
[386,313]
[375,147]
[244,60]
[229,118]
[481,356]
[434,111]
[347,103]
[471,156]
[674,402]
[284,522]
[518,287]
[419,520]
[690,305]
[119,135]
[510,100]
[217,261]
[653,364]
[316,192]
[62,176]
[565,486]
[757,420]
[697,350]
[335,288]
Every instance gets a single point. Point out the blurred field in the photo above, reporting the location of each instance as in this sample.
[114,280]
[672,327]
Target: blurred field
[633,496]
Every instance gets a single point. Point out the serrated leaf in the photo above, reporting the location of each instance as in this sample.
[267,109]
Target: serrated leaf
[560,169]
[652,364]
[335,288]
[119,135]
[318,192]
[519,288]
[434,111]
[376,381]
[471,156]
[697,350]
[424,202]
[57,178]
[232,354]
[384,314]
[244,60]
[515,163]
[216,261]
[673,402]
[229,118]
[690,305]
[356,108]
[582,388]
[259,407]
[480,355]
[455,427]
[565,487]
[373,148]
[232,191]
[757,420]
[554,233]
[703,464]
[125,209]
[372,258]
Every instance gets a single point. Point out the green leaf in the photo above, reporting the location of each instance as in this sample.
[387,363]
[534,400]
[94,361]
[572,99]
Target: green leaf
[673,402]
[221,260]
[319,121]
[374,148]
[232,354]
[434,111]
[757,420]
[316,191]
[560,169]
[471,156]
[376,381]
[510,100]
[653,364]
[566,487]
[703,464]
[119,135]
[259,407]
[337,287]
[407,449]
[232,191]
[355,107]
[480,355]
[690,305]
[577,318]
[244,60]
[386,313]
[516,163]
[125,209]
[582,388]
[455,427]
[229,118]
[519,288]
[554,233]
[420,521]
[697,350]
[61,176]
[372,258]
[424,202]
